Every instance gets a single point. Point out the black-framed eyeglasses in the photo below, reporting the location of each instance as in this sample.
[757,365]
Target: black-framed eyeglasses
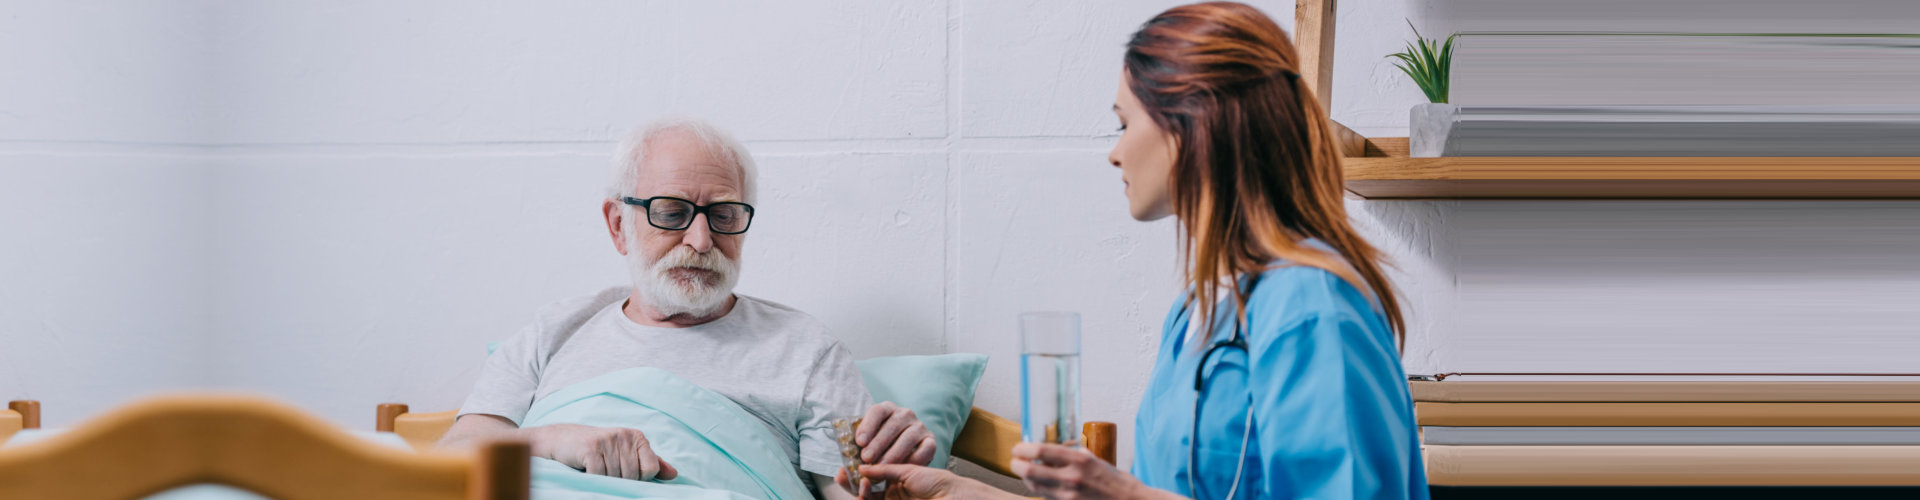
[674,214]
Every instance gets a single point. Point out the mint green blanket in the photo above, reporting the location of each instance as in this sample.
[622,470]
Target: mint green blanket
[720,450]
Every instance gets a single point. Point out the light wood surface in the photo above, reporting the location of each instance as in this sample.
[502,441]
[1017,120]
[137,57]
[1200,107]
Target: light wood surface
[1637,178]
[1673,465]
[9,424]
[1667,414]
[986,440]
[422,430]
[264,447]
[1388,147]
[1346,141]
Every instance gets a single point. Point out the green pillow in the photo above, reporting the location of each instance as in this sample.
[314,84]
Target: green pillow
[939,389]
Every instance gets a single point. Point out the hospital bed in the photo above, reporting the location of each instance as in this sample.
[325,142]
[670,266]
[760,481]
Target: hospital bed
[270,449]
[986,440]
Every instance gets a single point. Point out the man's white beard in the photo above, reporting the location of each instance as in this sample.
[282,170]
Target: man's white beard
[696,296]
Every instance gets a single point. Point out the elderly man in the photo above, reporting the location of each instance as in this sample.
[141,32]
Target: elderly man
[679,210]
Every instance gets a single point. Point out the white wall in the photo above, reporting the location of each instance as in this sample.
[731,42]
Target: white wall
[383,187]
[103,203]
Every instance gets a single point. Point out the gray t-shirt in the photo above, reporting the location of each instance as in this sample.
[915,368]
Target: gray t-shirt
[777,362]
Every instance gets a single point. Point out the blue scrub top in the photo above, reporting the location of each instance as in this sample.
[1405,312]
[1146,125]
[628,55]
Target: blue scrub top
[1331,414]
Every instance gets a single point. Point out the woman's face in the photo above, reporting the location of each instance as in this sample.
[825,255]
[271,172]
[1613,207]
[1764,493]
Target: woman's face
[1145,156]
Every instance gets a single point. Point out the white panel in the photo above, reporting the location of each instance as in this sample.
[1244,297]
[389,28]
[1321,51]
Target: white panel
[855,240]
[1047,68]
[456,71]
[104,71]
[1052,68]
[103,276]
[347,282]
[1050,231]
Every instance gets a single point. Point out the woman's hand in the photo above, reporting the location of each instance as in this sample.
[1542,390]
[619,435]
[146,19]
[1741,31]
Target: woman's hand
[910,482]
[1072,473]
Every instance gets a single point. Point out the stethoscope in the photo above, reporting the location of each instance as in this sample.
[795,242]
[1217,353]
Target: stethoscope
[1237,340]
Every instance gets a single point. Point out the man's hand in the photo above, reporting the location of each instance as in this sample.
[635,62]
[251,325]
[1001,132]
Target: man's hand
[890,434]
[606,451]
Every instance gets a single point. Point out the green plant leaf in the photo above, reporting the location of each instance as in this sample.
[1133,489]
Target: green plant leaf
[1428,62]
[1446,68]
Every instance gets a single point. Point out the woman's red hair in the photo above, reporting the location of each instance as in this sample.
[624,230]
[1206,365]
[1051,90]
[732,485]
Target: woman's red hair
[1257,172]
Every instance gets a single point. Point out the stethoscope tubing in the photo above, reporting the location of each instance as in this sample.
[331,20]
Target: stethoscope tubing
[1237,340]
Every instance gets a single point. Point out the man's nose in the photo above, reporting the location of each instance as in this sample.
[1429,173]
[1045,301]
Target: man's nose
[699,236]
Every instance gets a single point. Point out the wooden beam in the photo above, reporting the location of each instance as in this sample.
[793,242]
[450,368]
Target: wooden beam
[1313,39]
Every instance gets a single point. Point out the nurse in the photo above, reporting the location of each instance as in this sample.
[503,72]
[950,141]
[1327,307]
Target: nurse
[1278,373]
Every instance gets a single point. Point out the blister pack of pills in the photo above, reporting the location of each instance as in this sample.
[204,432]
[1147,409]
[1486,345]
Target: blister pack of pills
[843,432]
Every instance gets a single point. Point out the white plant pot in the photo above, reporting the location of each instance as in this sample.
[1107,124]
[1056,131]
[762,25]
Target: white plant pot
[1429,126]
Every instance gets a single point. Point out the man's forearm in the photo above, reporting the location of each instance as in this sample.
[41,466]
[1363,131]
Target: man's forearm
[468,440]
[830,490]
[468,432]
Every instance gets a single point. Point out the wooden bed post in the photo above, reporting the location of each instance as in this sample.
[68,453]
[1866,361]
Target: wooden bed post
[29,412]
[502,471]
[385,414]
[1098,438]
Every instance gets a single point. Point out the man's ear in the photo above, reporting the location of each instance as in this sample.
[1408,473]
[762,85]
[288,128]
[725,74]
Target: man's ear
[611,211]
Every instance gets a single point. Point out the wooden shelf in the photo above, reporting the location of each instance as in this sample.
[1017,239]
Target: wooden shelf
[1379,167]
[1386,173]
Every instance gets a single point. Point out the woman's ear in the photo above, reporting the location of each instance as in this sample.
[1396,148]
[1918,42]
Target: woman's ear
[614,215]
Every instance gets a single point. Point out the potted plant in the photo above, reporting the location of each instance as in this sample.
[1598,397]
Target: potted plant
[1427,62]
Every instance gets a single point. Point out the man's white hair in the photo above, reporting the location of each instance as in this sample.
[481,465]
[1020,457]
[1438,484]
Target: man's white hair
[625,179]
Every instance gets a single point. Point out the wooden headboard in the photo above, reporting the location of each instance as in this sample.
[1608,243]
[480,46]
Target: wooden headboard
[265,447]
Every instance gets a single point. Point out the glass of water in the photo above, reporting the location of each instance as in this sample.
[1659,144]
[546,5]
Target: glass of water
[1050,377]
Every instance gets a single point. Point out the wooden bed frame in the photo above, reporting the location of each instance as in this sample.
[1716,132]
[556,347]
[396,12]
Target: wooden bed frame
[19,415]
[987,439]
[246,442]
